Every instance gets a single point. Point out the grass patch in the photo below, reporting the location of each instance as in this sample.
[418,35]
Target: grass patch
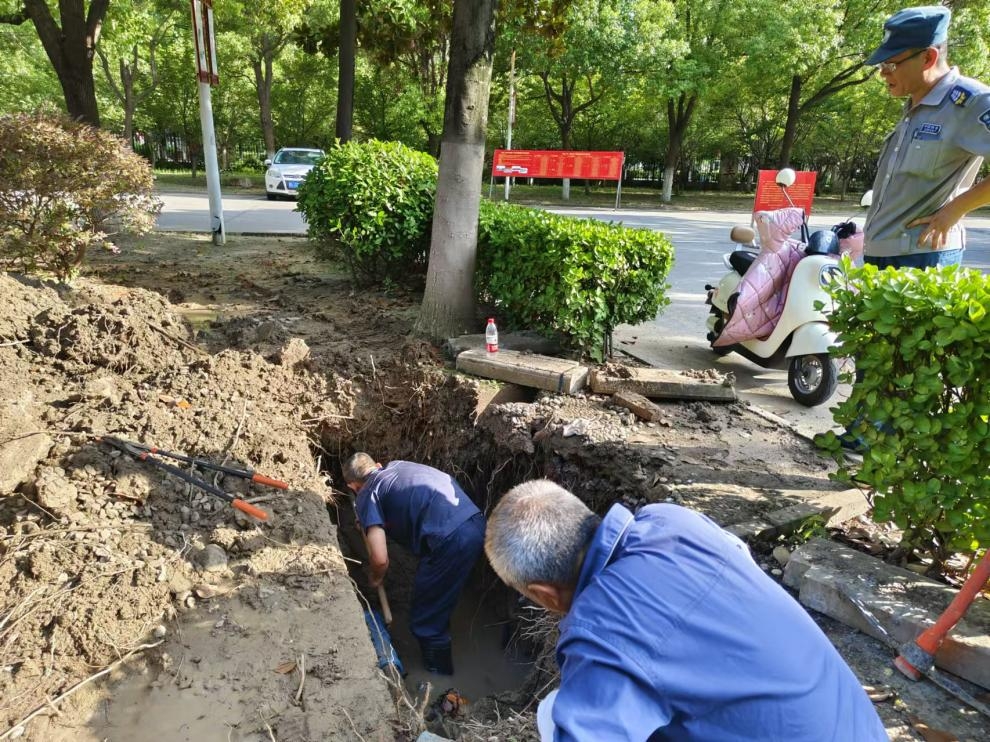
[235,182]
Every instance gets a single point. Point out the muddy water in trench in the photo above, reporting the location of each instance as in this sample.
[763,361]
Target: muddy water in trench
[481,665]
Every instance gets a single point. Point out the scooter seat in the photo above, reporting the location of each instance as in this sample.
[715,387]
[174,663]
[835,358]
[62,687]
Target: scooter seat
[740,260]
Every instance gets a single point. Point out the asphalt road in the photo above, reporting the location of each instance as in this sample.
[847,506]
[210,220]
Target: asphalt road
[675,339]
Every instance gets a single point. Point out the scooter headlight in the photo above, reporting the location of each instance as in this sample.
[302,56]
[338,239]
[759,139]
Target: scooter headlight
[828,275]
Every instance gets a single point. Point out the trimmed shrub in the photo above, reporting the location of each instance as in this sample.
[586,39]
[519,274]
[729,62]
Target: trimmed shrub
[64,187]
[370,204]
[576,277]
[922,342]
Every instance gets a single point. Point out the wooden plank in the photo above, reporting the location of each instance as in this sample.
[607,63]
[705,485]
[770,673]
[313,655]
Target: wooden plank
[658,383]
[527,369]
[639,405]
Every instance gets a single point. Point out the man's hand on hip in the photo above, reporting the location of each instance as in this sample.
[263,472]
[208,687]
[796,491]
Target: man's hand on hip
[938,226]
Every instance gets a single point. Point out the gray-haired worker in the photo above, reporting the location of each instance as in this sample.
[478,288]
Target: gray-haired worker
[924,183]
[672,631]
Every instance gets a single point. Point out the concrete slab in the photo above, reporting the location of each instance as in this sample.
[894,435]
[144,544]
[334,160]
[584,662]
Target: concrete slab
[831,508]
[892,604]
[658,383]
[527,369]
[521,341]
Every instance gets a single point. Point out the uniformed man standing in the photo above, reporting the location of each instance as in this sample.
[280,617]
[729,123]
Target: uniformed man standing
[924,184]
[426,511]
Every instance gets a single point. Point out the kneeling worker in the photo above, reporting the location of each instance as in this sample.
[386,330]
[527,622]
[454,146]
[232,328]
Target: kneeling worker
[427,512]
[672,630]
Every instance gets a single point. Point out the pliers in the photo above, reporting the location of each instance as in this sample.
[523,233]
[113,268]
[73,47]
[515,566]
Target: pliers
[148,454]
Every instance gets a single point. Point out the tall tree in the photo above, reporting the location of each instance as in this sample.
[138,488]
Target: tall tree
[413,36]
[346,52]
[71,47]
[448,303]
[132,45]
[264,28]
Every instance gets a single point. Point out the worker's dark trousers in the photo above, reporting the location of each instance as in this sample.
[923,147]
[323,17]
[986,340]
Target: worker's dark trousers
[439,580]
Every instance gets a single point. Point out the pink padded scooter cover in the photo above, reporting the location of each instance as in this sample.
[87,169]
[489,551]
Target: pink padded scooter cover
[763,290]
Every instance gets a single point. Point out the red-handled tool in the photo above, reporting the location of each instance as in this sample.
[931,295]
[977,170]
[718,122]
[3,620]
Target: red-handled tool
[148,453]
[918,656]
[203,464]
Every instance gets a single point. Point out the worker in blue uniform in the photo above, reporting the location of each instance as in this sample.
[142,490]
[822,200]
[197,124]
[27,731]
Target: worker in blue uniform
[672,631]
[929,163]
[427,512]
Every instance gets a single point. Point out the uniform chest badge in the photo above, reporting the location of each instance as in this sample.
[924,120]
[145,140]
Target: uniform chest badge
[960,95]
[928,132]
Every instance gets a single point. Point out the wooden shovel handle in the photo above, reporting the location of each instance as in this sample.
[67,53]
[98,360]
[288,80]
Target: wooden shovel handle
[386,609]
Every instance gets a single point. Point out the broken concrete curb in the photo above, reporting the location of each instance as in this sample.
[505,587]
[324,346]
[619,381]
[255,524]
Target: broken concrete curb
[889,603]
[830,507]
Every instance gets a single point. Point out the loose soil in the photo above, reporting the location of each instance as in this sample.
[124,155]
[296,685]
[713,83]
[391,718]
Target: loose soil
[257,355]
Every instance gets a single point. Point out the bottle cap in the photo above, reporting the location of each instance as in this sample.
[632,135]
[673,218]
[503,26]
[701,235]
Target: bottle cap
[491,319]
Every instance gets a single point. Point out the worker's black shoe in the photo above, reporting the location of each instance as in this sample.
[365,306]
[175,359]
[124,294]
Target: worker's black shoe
[437,657]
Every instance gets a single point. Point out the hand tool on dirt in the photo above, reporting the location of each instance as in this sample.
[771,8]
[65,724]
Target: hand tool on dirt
[918,657]
[148,454]
[204,464]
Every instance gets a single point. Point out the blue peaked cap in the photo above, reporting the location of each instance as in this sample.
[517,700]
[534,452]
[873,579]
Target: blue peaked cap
[912,28]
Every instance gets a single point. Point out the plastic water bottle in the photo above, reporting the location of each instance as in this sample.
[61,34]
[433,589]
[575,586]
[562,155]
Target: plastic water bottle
[491,336]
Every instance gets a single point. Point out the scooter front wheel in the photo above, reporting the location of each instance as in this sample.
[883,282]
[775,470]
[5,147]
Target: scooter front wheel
[812,378]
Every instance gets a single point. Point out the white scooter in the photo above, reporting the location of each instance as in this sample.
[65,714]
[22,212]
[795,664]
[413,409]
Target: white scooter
[801,338]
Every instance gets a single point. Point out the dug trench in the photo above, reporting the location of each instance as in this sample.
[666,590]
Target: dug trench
[136,607]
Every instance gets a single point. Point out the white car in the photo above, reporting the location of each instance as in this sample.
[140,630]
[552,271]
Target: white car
[288,169]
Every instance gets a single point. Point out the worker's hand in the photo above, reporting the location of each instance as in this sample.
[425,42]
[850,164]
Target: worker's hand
[938,225]
[375,581]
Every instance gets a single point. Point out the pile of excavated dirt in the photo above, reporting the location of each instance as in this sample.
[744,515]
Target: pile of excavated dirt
[99,552]
[258,355]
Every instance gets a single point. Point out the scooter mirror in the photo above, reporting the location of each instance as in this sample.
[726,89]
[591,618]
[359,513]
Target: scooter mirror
[867,200]
[786,177]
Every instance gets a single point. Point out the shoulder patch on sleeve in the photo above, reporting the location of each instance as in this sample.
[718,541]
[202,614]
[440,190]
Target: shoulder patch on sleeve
[960,95]
[985,118]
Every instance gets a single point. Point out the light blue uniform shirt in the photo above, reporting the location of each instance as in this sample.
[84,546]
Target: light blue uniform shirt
[676,634]
[933,155]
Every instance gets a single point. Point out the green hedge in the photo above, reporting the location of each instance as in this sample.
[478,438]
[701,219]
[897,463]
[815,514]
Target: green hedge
[370,204]
[922,342]
[576,277]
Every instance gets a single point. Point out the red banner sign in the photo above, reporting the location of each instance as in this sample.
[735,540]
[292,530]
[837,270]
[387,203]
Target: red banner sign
[770,196]
[529,163]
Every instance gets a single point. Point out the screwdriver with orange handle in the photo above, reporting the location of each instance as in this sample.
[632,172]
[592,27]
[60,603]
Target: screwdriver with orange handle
[148,454]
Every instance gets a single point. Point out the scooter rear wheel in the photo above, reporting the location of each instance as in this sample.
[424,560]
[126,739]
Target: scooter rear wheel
[812,378]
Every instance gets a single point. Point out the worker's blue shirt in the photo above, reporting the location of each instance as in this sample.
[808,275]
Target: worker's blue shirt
[676,634]
[417,505]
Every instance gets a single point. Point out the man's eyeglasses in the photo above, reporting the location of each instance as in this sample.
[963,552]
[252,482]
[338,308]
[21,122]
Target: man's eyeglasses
[888,67]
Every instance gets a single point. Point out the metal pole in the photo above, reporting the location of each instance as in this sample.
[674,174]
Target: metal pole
[210,163]
[512,113]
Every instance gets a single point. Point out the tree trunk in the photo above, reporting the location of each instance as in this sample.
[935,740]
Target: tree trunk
[71,49]
[790,128]
[263,84]
[127,84]
[448,303]
[345,74]
[678,117]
